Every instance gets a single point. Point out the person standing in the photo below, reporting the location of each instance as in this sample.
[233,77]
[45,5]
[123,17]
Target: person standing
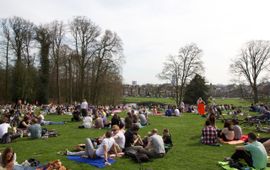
[84,108]
[201,106]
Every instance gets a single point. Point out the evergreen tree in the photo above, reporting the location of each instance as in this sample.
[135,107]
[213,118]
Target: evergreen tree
[43,37]
[195,89]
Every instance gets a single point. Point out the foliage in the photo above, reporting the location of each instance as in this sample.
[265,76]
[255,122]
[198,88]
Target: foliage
[195,89]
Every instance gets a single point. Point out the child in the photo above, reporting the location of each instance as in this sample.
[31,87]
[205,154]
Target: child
[167,139]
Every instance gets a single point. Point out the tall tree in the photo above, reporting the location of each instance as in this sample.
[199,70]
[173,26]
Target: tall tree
[6,46]
[43,36]
[195,89]
[58,33]
[85,34]
[251,63]
[19,39]
[107,59]
[180,68]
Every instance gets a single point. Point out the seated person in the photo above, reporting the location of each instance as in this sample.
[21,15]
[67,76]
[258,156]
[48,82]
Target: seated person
[116,120]
[25,123]
[253,153]
[169,112]
[128,120]
[119,136]
[103,149]
[155,147]
[209,134]
[237,130]
[35,129]
[87,122]
[76,115]
[99,123]
[7,134]
[132,137]
[227,133]
[142,118]
[167,137]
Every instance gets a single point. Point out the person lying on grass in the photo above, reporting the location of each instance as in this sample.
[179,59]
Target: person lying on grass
[8,159]
[253,153]
[103,149]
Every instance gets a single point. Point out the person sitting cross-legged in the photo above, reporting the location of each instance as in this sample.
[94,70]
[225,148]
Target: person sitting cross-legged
[209,134]
[253,153]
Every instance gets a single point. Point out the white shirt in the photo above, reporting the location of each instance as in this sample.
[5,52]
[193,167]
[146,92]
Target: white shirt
[87,122]
[177,112]
[4,129]
[108,142]
[84,105]
[120,139]
[157,143]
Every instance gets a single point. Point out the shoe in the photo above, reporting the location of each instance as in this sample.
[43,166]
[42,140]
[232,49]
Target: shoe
[107,164]
[228,159]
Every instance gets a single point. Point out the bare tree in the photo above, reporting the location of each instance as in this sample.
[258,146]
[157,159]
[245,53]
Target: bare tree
[107,59]
[180,68]
[6,45]
[58,33]
[251,63]
[85,34]
[20,38]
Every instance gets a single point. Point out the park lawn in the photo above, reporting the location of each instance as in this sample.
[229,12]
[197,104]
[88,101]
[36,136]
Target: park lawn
[234,101]
[148,99]
[187,152]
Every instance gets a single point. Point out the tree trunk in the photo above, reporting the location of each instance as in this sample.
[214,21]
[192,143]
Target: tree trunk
[255,94]
[6,74]
[70,81]
[57,80]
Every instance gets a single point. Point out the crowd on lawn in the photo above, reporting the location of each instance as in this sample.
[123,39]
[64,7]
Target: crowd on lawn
[122,136]
[254,151]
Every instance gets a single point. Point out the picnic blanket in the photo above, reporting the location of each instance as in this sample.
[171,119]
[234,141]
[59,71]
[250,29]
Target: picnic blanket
[236,142]
[98,162]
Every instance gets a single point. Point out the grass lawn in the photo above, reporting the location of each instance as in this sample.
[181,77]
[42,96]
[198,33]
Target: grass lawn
[187,152]
[148,99]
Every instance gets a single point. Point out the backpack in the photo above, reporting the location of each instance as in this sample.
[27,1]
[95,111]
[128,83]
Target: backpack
[6,138]
[141,157]
[136,156]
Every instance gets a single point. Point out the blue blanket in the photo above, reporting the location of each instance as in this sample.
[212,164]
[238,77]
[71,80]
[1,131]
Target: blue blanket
[97,162]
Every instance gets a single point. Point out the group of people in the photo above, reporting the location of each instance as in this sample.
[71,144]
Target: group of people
[254,152]
[118,141]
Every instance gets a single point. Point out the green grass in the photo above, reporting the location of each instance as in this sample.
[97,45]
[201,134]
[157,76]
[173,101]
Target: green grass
[148,99]
[234,101]
[187,152]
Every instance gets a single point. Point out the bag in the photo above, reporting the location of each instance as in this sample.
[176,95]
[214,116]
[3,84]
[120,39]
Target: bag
[142,157]
[136,156]
[130,152]
[6,138]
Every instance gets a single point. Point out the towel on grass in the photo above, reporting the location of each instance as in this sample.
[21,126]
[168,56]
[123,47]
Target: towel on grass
[236,142]
[97,162]
[225,165]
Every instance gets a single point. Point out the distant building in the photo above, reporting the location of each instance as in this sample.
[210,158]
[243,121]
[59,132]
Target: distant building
[134,83]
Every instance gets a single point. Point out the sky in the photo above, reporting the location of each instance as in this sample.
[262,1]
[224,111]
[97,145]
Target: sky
[151,30]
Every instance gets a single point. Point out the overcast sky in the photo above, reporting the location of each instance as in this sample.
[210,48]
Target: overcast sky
[153,29]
